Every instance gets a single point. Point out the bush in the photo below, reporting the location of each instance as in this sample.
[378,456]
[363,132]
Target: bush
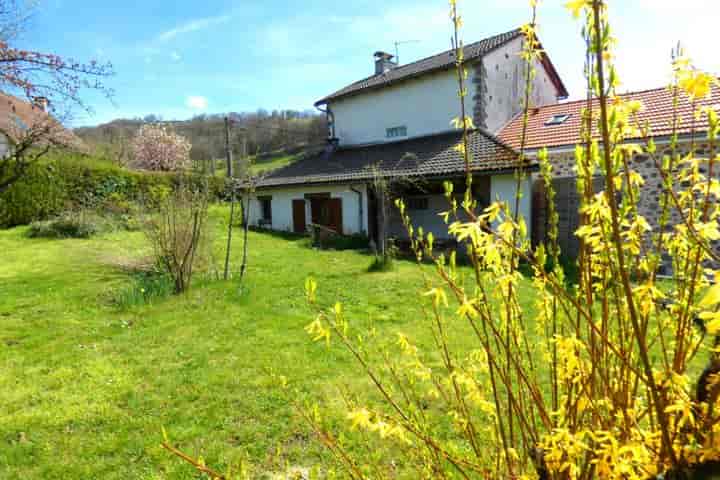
[69,225]
[39,194]
[65,181]
[146,288]
[381,264]
[177,230]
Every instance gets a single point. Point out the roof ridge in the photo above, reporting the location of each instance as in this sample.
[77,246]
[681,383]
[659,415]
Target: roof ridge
[582,100]
[449,50]
[511,34]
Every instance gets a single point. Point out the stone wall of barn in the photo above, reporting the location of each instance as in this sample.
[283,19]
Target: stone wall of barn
[567,200]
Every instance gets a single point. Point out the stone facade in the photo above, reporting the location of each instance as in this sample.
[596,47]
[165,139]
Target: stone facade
[563,163]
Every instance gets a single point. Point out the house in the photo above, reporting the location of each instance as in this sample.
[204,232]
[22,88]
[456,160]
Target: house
[30,123]
[395,126]
[557,127]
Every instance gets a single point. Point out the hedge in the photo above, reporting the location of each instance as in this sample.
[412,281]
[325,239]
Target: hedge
[64,182]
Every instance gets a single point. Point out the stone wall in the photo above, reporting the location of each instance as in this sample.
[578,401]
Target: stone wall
[568,201]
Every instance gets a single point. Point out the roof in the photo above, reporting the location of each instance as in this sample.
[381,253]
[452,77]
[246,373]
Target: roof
[441,61]
[428,156]
[19,117]
[657,112]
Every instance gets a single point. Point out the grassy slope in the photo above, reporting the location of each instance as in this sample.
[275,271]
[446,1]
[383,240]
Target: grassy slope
[86,388]
[260,165]
[272,163]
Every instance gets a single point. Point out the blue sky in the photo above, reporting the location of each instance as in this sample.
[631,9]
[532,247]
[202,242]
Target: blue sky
[184,57]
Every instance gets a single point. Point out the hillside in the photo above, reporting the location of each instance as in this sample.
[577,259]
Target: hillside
[267,135]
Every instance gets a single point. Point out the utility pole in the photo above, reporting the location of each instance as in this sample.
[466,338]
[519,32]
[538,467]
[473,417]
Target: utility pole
[231,185]
[228,149]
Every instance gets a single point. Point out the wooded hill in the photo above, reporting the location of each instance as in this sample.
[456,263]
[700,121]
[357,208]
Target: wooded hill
[263,132]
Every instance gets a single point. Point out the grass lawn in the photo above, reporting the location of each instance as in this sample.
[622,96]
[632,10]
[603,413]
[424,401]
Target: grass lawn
[87,386]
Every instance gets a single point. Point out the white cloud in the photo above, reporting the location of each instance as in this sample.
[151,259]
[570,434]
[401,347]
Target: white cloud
[192,26]
[196,102]
[175,56]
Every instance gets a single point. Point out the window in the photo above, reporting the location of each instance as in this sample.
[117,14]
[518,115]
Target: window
[558,119]
[395,132]
[418,203]
[265,210]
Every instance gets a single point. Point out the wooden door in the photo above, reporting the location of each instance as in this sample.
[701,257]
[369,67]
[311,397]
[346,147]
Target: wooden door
[335,220]
[298,209]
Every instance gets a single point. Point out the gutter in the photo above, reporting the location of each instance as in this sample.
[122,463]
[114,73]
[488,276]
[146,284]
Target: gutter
[360,209]
[330,116]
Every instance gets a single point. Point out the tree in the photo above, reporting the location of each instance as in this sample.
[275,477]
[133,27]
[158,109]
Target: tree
[56,81]
[158,149]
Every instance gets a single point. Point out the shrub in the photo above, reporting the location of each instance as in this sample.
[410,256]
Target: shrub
[39,194]
[73,181]
[69,225]
[146,288]
[177,230]
[381,263]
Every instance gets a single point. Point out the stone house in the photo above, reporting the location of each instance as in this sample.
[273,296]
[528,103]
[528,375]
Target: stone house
[395,125]
[557,127]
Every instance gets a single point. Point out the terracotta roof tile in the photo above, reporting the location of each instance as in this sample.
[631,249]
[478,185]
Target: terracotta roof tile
[427,156]
[18,116]
[657,112]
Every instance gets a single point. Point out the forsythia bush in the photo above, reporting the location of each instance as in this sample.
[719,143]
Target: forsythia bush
[617,377]
[614,378]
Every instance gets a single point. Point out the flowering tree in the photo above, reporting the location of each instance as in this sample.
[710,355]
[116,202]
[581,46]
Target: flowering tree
[158,149]
[59,83]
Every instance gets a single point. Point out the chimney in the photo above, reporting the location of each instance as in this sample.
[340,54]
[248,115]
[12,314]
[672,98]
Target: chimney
[384,62]
[42,103]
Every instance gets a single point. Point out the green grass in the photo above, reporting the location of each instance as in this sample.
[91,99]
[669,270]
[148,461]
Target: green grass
[262,165]
[272,163]
[87,386]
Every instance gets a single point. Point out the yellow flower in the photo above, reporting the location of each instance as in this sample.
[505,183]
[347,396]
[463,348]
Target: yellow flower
[576,7]
[696,84]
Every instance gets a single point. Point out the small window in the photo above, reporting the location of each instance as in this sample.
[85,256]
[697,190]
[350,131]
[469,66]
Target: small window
[395,132]
[558,119]
[265,210]
[418,203]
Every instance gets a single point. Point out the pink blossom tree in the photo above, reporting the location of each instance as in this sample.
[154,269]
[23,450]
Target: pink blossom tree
[158,149]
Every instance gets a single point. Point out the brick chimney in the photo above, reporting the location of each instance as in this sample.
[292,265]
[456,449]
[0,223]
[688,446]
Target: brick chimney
[384,62]
[42,103]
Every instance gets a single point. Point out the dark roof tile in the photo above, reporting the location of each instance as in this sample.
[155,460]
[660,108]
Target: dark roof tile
[437,62]
[428,156]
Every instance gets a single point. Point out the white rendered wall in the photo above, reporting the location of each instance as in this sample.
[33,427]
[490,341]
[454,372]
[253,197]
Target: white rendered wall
[503,188]
[282,200]
[425,106]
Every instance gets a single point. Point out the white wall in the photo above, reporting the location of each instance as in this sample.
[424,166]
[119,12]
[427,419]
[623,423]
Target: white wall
[282,199]
[505,82]
[429,219]
[4,145]
[425,106]
[503,188]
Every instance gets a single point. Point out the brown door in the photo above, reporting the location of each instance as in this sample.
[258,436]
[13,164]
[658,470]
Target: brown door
[298,207]
[335,219]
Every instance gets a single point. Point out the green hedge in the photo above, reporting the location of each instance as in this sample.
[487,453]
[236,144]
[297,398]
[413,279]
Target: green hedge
[64,182]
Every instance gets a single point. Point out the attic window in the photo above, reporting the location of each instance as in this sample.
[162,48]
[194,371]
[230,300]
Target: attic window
[558,119]
[395,132]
